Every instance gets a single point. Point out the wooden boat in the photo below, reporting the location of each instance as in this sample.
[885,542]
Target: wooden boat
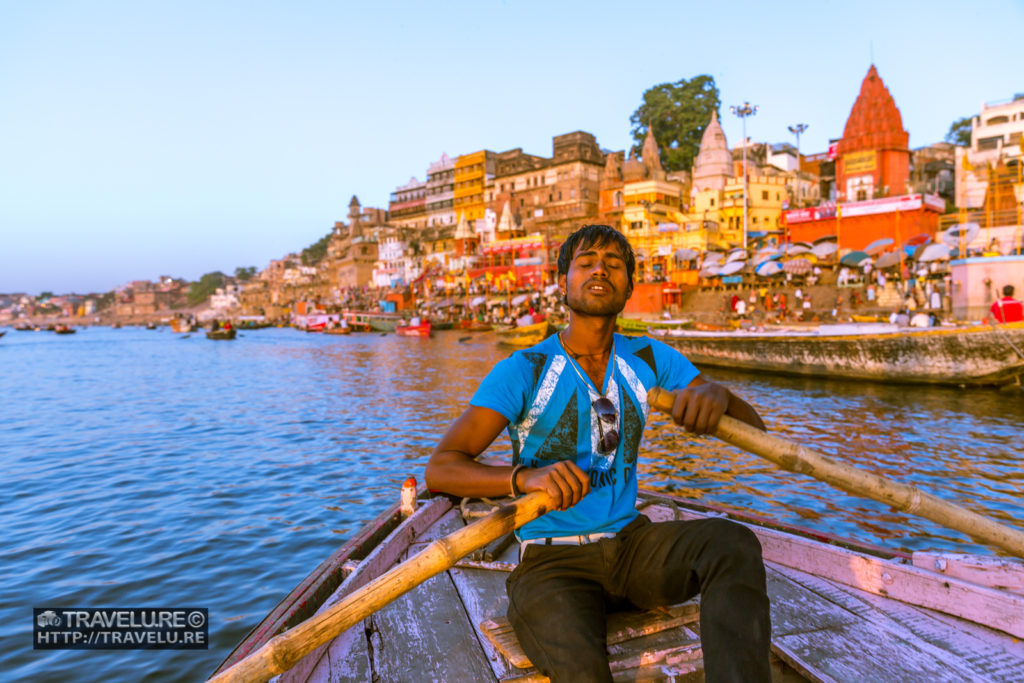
[64,329]
[443,325]
[183,325]
[963,356]
[421,330]
[638,326]
[338,330]
[382,322]
[839,610]
[222,334]
[528,335]
[3,333]
[25,327]
[474,326]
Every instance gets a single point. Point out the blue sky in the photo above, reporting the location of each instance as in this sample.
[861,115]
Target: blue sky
[147,138]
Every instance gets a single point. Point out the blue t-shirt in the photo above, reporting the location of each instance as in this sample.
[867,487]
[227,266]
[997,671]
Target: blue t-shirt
[547,399]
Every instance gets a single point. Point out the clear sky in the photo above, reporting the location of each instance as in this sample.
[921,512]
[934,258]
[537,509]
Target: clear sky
[146,138]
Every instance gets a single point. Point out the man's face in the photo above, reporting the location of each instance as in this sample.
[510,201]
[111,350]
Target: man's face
[597,283]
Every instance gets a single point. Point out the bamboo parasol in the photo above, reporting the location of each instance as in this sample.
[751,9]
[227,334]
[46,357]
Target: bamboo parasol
[796,458]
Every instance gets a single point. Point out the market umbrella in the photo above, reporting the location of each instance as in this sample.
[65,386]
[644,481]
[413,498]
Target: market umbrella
[824,249]
[477,301]
[878,246]
[798,266]
[737,255]
[768,268]
[712,257]
[767,251]
[934,252]
[686,254]
[854,258]
[918,240]
[965,231]
[731,267]
[888,260]
[709,271]
[797,249]
[551,289]
[519,298]
[826,238]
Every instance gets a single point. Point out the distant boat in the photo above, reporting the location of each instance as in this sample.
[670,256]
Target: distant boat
[222,334]
[183,325]
[528,335]
[474,326]
[3,333]
[338,330]
[969,355]
[64,329]
[420,330]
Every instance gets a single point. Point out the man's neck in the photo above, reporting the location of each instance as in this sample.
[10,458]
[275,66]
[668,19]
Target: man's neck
[589,336]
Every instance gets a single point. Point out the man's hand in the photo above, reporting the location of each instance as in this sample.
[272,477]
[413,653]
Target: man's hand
[699,407]
[564,481]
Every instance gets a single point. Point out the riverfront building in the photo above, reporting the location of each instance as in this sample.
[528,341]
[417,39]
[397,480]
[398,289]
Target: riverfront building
[872,180]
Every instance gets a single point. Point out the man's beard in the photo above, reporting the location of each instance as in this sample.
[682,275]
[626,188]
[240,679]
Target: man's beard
[608,307]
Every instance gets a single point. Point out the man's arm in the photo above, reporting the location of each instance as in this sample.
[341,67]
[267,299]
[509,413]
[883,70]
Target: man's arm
[701,405]
[452,467]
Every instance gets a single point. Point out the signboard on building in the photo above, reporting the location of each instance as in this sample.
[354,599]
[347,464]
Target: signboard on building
[833,151]
[907,202]
[859,162]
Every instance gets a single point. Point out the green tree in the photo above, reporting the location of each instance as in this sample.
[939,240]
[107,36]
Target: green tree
[43,296]
[679,112]
[315,252]
[244,273]
[960,132]
[200,291]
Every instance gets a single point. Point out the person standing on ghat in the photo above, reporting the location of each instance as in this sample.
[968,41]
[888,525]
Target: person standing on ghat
[575,407]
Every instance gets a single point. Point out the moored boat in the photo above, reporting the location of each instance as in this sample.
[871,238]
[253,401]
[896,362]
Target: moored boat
[414,330]
[474,326]
[338,330]
[64,329]
[839,610]
[524,336]
[970,355]
[222,334]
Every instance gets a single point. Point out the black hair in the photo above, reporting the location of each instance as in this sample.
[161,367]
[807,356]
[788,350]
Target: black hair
[589,235]
[1007,290]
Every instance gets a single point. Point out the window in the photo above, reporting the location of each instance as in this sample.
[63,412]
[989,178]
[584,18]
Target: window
[636,225]
[989,143]
[618,199]
[764,194]
[777,196]
[572,193]
[862,195]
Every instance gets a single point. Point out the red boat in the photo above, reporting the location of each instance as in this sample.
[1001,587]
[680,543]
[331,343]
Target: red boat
[421,330]
[474,325]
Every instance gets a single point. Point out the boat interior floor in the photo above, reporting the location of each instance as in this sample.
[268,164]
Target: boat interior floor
[453,626]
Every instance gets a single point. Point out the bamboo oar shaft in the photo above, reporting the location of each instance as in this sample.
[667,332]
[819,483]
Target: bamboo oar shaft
[796,458]
[283,651]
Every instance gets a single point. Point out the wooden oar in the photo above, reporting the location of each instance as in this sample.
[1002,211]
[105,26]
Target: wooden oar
[796,458]
[283,651]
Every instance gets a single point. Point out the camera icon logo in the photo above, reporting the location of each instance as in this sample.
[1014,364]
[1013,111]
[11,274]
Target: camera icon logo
[48,618]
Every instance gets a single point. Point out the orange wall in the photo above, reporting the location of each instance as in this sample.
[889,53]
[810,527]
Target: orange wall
[856,232]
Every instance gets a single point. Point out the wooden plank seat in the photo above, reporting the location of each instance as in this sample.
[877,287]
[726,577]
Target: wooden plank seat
[676,627]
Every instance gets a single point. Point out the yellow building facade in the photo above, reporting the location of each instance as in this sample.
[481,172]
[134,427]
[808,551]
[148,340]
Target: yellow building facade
[472,172]
[765,195]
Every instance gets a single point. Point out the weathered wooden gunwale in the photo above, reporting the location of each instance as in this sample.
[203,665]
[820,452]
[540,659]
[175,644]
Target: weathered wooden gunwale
[835,615]
[971,356]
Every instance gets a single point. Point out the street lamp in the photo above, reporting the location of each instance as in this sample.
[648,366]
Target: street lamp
[743,111]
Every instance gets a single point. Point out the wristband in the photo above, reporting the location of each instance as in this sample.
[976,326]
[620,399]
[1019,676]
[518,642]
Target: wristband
[512,481]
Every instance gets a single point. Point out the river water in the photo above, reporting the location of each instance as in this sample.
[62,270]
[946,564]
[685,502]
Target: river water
[147,469]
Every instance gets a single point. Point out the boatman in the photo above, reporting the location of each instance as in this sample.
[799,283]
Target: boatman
[575,408]
[1007,309]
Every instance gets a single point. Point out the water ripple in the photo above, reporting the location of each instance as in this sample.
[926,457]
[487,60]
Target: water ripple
[146,469]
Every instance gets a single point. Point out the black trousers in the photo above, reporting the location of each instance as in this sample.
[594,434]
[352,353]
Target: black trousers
[559,596]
